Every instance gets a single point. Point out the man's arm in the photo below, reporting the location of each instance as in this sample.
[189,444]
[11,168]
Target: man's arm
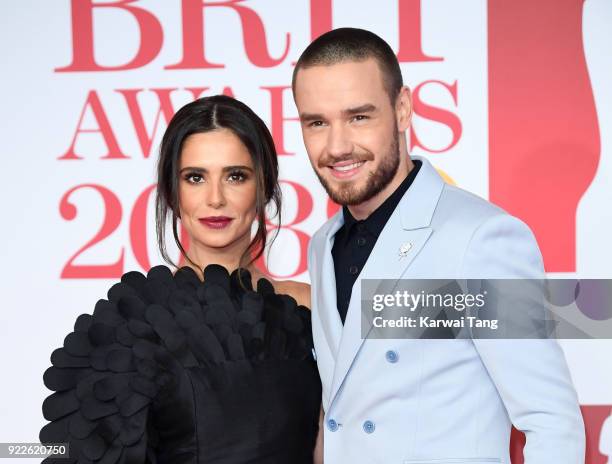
[531,376]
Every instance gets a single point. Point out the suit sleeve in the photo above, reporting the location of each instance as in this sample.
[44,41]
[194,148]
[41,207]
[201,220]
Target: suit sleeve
[531,375]
[312,269]
[309,260]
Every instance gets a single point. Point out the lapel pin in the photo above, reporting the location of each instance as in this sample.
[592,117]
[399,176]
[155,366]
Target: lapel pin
[404,249]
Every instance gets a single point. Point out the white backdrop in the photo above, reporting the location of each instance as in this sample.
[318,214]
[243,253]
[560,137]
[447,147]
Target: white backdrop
[64,128]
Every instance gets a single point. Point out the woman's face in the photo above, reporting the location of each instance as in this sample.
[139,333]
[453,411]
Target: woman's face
[217,191]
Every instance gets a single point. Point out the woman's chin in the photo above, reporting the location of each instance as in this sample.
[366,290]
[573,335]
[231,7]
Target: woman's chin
[216,244]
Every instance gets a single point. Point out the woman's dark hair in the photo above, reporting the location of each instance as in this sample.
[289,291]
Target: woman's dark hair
[204,115]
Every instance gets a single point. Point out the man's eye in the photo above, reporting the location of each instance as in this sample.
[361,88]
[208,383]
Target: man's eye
[316,124]
[360,117]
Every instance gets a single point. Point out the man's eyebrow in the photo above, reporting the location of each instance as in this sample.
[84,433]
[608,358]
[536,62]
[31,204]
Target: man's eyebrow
[311,117]
[366,108]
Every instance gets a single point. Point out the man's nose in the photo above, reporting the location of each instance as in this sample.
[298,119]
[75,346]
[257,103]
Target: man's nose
[338,141]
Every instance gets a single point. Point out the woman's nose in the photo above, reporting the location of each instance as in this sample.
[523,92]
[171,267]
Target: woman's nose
[215,198]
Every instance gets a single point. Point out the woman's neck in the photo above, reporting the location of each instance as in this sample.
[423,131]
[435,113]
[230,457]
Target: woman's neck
[228,257]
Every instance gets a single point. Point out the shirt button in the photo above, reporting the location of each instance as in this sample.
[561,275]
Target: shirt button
[332,425]
[360,227]
[361,241]
[392,356]
[354,270]
[368,426]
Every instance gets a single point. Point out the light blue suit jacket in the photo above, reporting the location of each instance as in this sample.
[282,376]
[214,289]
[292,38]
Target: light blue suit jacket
[439,401]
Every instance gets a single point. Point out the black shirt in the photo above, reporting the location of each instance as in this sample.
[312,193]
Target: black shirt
[354,241]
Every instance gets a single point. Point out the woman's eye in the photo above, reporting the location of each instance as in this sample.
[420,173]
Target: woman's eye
[194,178]
[237,177]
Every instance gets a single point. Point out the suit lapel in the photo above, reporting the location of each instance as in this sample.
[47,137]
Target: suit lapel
[326,297]
[409,225]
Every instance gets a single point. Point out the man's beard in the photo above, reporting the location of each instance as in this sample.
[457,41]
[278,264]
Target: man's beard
[377,181]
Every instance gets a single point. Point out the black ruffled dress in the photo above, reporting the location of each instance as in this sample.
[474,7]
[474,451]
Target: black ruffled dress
[171,369]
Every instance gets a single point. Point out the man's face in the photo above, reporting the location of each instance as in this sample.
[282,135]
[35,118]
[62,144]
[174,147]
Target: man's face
[349,127]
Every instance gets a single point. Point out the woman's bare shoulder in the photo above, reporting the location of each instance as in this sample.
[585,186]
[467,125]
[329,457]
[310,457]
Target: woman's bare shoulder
[298,290]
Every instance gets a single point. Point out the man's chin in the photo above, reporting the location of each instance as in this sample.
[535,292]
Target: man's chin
[338,183]
[345,196]
[343,192]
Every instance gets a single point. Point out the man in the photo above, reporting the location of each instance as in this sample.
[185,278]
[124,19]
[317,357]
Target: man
[400,400]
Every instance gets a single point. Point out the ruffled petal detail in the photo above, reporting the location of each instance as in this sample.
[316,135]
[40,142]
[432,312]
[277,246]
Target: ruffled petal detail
[135,346]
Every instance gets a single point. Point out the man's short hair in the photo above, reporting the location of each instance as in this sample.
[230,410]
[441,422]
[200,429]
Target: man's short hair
[352,44]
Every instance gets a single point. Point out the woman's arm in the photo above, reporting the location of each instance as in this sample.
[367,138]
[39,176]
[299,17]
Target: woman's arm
[318,451]
[301,293]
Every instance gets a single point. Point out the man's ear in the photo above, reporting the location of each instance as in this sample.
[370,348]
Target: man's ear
[403,109]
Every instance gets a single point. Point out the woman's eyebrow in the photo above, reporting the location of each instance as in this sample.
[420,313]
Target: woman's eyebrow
[232,168]
[225,168]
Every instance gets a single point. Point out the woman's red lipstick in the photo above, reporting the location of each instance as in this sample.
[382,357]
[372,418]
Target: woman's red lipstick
[216,222]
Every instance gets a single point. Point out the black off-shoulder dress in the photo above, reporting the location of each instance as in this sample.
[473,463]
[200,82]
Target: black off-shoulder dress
[170,369]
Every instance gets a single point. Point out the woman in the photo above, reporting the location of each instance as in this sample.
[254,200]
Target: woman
[196,366]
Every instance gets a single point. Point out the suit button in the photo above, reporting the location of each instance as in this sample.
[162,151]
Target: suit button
[354,270]
[361,241]
[368,426]
[392,356]
[332,425]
